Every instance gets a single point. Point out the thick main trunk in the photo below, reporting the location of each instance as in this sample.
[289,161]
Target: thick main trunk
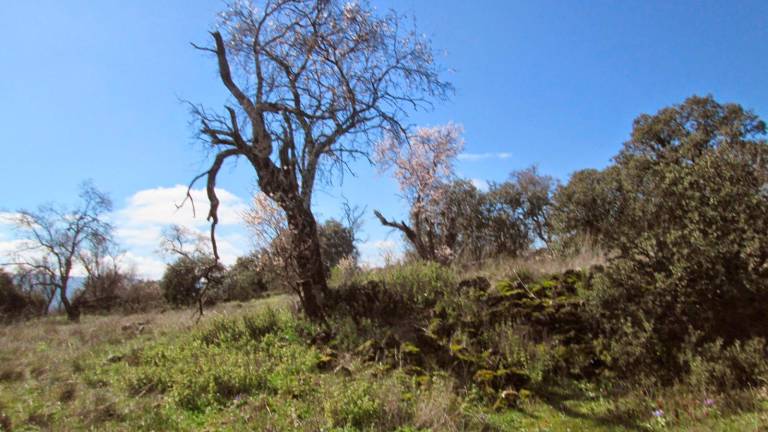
[73,311]
[305,242]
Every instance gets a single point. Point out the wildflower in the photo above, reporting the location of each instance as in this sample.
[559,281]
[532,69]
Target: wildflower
[709,402]
[658,413]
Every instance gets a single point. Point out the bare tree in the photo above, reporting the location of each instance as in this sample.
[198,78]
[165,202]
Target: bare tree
[37,283]
[423,170]
[177,240]
[314,83]
[56,238]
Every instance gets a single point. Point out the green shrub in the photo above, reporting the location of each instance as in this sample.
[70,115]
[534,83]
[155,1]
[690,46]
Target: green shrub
[723,369]
[353,406]
[184,280]
[244,280]
[689,238]
[502,339]
[226,360]
[14,302]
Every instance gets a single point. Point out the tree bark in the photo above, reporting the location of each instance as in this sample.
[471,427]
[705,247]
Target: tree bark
[73,311]
[425,252]
[312,282]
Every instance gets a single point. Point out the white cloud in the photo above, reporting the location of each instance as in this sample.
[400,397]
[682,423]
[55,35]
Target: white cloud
[146,267]
[7,222]
[375,253]
[141,221]
[482,156]
[8,249]
[138,235]
[159,205]
[139,225]
[7,218]
[378,245]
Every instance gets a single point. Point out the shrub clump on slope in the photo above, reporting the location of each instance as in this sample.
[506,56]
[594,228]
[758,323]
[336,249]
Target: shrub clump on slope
[501,339]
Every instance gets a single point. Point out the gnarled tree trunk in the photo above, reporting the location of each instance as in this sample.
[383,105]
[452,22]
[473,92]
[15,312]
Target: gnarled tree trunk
[312,283]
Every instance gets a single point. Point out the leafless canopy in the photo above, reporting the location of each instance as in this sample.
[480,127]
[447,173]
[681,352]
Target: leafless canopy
[314,83]
[58,238]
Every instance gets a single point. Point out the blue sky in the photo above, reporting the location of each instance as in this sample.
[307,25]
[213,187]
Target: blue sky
[93,89]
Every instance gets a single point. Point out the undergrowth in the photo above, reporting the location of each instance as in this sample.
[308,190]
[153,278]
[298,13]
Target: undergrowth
[410,348]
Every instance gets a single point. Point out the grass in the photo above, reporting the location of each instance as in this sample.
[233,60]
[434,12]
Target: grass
[536,265]
[249,367]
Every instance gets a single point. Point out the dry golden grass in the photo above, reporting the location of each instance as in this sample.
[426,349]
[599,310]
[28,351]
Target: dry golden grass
[538,264]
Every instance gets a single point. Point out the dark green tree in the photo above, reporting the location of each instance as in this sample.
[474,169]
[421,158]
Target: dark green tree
[336,242]
[691,234]
[187,279]
[244,280]
[586,209]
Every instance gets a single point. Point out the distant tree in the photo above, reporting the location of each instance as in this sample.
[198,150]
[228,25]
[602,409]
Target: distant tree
[423,169]
[14,302]
[536,192]
[56,237]
[586,209]
[195,275]
[182,284]
[38,284]
[314,83]
[336,242]
[104,279]
[459,220]
[244,280]
[505,224]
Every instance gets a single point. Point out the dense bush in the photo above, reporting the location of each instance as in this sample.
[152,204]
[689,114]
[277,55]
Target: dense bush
[690,237]
[244,280]
[470,225]
[141,296]
[502,339]
[14,302]
[184,281]
[116,291]
[100,291]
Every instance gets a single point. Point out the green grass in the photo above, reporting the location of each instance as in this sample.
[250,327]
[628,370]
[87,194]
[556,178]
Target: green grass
[249,367]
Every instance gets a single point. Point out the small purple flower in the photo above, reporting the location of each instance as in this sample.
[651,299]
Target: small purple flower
[709,402]
[658,413]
